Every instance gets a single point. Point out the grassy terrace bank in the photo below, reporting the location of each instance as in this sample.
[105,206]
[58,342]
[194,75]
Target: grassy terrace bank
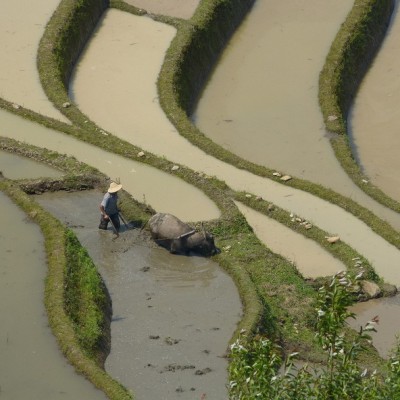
[76,300]
[265,280]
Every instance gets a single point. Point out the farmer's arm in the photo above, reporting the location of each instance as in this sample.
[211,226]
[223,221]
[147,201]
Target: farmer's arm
[103,205]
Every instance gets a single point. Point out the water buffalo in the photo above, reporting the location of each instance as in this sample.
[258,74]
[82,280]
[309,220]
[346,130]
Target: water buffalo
[178,237]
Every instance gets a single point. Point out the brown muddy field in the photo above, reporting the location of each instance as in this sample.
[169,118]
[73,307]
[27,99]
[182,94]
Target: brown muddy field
[173,316]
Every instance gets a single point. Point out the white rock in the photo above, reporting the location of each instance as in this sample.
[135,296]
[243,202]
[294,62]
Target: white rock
[371,289]
[286,178]
[332,239]
[175,168]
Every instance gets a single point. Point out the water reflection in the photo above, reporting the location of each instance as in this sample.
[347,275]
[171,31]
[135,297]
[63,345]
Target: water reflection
[387,312]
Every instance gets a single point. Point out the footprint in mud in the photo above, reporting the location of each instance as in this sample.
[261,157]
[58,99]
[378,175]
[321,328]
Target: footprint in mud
[176,367]
[181,390]
[170,341]
[203,371]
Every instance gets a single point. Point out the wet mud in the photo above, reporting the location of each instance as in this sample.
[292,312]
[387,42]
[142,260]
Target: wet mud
[173,316]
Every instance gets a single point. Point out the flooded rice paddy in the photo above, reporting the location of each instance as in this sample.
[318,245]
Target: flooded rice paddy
[21,28]
[14,166]
[32,366]
[308,257]
[160,137]
[159,189]
[137,46]
[173,316]
[374,119]
[262,100]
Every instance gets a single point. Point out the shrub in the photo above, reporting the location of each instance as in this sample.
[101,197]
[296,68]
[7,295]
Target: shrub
[255,369]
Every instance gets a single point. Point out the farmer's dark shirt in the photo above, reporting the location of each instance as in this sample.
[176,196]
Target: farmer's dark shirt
[110,203]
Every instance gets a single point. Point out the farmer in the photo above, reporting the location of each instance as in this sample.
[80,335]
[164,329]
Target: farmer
[109,209]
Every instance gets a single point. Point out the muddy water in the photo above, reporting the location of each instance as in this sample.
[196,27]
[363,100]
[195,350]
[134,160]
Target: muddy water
[374,119]
[176,8]
[310,259]
[14,166]
[173,316]
[143,182]
[20,34]
[96,82]
[388,326]
[333,219]
[384,257]
[262,100]
[135,48]
[31,367]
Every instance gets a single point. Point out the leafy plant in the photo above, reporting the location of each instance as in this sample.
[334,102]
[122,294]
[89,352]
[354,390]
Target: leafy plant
[256,370]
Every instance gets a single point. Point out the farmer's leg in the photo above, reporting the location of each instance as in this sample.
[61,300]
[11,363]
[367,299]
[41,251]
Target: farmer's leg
[115,220]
